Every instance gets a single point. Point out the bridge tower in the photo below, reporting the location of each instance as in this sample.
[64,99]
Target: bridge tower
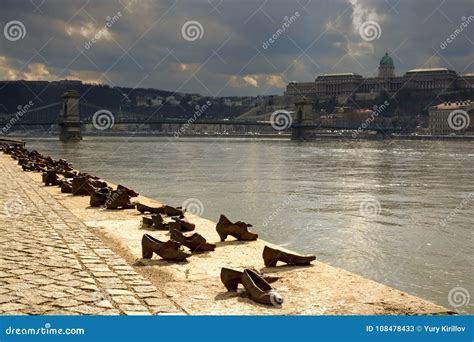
[70,122]
[304,116]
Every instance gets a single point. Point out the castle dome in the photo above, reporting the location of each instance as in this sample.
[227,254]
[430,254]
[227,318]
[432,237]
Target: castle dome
[386,60]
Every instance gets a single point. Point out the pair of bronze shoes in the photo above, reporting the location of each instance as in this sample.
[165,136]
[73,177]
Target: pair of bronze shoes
[238,229]
[157,222]
[165,210]
[257,286]
[271,256]
[169,250]
[86,185]
[120,198]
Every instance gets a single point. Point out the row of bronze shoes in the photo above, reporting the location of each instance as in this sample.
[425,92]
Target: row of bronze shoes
[61,173]
[257,286]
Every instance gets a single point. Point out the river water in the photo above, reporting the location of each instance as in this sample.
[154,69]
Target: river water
[398,212]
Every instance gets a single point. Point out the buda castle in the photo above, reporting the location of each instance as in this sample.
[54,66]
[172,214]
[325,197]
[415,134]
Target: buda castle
[343,85]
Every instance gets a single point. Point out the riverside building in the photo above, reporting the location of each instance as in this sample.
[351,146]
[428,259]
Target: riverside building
[452,118]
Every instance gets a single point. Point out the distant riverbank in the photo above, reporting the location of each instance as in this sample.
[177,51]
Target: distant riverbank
[255,136]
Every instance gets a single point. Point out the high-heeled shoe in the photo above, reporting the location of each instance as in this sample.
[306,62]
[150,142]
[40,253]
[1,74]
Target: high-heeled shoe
[169,250]
[239,230]
[271,256]
[195,242]
[259,290]
[232,278]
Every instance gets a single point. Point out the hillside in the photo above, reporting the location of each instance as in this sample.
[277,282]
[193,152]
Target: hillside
[139,101]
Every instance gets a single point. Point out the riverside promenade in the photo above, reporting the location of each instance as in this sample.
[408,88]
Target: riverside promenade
[59,256]
[52,264]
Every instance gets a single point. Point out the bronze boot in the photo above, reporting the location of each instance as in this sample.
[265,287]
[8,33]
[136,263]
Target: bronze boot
[50,178]
[99,197]
[195,242]
[66,187]
[239,230]
[169,250]
[158,222]
[259,290]
[147,222]
[271,256]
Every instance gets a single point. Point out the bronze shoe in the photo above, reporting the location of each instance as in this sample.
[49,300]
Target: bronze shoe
[165,210]
[172,211]
[66,187]
[142,208]
[130,192]
[147,222]
[81,186]
[118,199]
[158,222]
[50,178]
[195,242]
[271,256]
[259,290]
[232,278]
[69,174]
[99,197]
[181,225]
[239,230]
[169,250]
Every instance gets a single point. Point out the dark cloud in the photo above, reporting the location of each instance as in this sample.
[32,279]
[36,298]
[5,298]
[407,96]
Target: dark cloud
[145,47]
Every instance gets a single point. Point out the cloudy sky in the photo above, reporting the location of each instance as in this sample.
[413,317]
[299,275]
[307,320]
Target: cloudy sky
[228,47]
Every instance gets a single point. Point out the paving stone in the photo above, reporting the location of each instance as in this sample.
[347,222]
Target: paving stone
[65,302]
[51,263]
[157,302]
[125,300]
[144,288]
[137,313]
[33,300]
[119,292]
[104,304]
[5,299]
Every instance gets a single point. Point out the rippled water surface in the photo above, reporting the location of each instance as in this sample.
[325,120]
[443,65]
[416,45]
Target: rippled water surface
[399,212]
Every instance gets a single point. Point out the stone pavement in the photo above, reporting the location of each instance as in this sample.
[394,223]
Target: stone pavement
[52,264]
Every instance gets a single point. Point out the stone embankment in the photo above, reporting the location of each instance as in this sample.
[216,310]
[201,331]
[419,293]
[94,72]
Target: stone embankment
[60,256]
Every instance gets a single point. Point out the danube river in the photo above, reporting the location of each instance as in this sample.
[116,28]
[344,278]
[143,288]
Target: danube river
[399,212]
